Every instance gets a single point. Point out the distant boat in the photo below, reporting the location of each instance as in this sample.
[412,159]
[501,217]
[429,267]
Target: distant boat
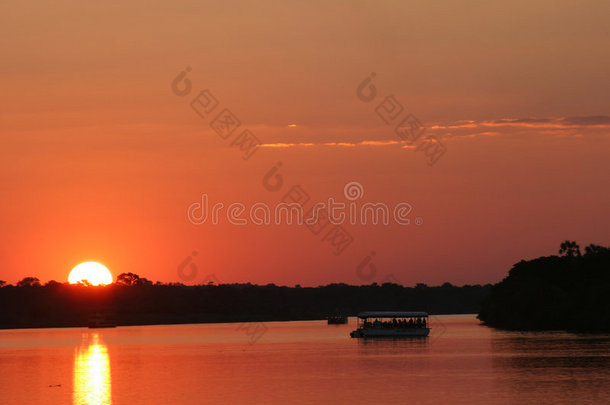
[392,324]
[101,321]
[337,320]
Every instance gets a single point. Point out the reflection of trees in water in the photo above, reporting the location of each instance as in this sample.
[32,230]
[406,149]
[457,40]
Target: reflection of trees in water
[92,381]
[567,367]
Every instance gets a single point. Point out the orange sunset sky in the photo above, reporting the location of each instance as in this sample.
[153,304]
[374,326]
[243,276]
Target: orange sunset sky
[99,159]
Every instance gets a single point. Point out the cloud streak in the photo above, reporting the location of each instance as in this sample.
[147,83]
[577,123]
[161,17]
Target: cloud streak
[336,144]
[469,129]
[541,123]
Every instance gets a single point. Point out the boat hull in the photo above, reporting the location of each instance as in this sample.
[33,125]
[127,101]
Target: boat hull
[366,333]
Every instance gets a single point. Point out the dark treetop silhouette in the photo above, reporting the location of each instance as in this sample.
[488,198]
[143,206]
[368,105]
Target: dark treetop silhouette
[568,292]
[134,300]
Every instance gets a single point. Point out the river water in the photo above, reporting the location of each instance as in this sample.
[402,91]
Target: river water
[308,362]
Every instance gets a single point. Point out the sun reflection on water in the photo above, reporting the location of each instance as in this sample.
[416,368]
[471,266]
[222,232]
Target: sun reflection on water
[92,384]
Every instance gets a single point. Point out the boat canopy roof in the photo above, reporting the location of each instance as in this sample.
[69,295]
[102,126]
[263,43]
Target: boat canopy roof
[390,314]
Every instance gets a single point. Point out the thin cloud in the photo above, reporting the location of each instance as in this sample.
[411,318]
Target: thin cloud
[335,144]
[468,129]
[541,123]
[286,145]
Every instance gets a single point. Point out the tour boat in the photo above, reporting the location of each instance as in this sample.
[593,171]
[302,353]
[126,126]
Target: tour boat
[392,324]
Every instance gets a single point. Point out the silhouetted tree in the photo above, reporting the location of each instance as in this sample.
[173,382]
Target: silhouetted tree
[568,292]
[128,279]
[570,249]
[52,284]
[29,282]
[144,281]
[64,304]
[2,283]
[595,249]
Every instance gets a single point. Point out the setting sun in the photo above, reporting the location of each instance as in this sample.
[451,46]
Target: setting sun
[92,272]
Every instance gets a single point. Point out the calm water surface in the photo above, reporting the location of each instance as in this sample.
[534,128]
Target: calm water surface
[301,363]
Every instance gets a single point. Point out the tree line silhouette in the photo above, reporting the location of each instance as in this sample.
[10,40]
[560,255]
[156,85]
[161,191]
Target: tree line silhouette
[567,292]
[135,300]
